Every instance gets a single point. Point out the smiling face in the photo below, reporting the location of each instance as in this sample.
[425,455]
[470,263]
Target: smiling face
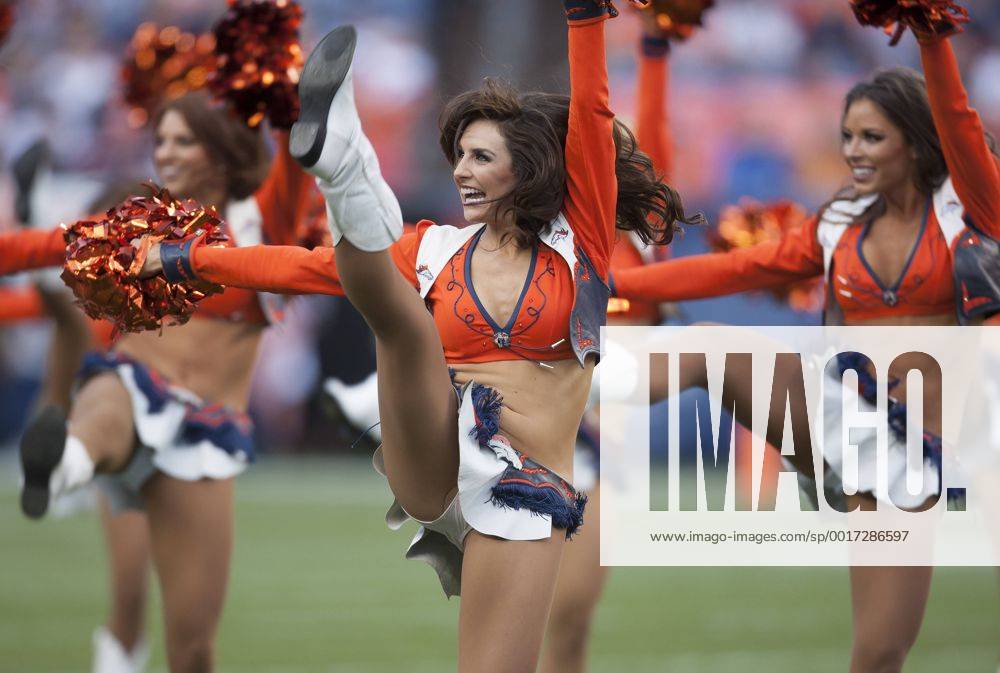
[875,149]
[183,163]
[484,170]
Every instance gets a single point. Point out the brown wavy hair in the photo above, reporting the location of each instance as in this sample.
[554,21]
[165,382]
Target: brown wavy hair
[237,149]
[534,126]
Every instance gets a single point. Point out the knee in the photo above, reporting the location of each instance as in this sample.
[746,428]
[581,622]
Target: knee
[872,655]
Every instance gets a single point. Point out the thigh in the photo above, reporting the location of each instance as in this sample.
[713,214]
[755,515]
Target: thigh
[581,576]
[419,423]
[126,535]
[191,530]
[101,418]
[507,589]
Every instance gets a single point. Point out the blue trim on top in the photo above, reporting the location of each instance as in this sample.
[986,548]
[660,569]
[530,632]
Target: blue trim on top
[475,297]
[909,260]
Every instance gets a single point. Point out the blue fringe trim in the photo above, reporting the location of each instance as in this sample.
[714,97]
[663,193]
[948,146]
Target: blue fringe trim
[486,402]
[541,499]
[896,411]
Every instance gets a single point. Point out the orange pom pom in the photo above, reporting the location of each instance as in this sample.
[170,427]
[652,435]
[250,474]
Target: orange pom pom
[259,60]
[924,17]
[104,257]
[751,223]
[678,19]
[163,64]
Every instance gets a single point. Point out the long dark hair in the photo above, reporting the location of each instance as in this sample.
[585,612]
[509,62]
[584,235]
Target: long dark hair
[238,150]
[534,126]
[901,94]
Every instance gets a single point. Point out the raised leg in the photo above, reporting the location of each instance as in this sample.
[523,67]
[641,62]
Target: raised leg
[191,529]
[507,589]
[578,590]
[417,403]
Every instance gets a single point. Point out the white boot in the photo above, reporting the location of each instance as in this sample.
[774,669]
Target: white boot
[329,143]
[359,403]
[52,462]
[111,657]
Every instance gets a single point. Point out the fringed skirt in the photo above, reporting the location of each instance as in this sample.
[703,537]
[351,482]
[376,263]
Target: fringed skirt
[501,493]
[863,480]
[179,434]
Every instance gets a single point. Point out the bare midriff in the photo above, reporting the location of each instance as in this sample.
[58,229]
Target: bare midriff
[542,407]
[213,359]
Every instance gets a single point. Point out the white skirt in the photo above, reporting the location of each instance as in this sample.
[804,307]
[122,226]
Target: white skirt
[501,493]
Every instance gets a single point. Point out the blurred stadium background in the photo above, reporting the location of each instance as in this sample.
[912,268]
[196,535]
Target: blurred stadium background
[318,584]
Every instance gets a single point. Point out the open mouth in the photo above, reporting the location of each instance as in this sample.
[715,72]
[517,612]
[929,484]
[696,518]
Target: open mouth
[862,174]
[471,197]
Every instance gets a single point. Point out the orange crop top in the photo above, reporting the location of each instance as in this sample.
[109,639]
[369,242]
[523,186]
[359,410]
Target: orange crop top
[926,286]
[540,326]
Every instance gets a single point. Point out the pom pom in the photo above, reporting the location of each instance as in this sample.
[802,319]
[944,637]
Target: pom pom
[678,19]
[102,264]
[751,223]
[259,60]
[163,64]
[924,17]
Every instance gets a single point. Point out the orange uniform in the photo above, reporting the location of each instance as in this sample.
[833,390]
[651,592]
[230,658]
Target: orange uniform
[653,135]
[939,276]
[562,293]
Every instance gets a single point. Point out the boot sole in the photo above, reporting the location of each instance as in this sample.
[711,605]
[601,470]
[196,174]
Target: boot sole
[42,448]
[321,78]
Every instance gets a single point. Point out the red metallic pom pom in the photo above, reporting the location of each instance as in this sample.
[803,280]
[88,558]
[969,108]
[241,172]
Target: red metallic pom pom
[163,64]
[678,19]
[259,60]
[751,223]
[102,263]
[924,17]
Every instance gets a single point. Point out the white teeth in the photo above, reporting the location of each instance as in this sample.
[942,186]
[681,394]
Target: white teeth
[863,172]
[472,196]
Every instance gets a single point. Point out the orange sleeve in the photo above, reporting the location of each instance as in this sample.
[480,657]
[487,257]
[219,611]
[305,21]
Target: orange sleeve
[796,256]
[31,249]
[652,128]
[284,195]
[591,185]
[974,168]
[20,303]
[289,269]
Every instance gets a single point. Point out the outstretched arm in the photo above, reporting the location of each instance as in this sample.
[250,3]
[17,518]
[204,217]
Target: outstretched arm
[796,256]
[591,186]
[31,249]
[284,269]
[652,129]
[974,169]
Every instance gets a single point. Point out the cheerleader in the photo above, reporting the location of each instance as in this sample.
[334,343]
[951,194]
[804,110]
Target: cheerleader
[911,242]
[163,415]
[515,303]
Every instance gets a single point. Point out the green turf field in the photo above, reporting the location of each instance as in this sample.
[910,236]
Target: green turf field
[319,585]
